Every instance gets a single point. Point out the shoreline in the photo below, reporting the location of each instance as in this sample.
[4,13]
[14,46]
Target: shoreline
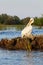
[18,25]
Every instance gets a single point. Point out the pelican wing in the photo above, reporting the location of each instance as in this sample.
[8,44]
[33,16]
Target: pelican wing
[26,30]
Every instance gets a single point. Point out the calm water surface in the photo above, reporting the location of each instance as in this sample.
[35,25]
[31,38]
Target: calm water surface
[12,32]
[19,57]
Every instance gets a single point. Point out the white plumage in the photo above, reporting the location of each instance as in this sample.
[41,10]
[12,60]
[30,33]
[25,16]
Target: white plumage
[26,32]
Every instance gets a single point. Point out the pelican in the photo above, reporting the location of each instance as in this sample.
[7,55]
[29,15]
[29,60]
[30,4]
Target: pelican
[26,32]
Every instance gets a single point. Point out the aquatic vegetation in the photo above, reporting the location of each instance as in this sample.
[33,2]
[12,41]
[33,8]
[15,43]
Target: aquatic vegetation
[23,43]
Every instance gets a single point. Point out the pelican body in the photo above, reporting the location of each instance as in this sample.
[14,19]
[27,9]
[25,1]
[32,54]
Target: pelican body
[26,32]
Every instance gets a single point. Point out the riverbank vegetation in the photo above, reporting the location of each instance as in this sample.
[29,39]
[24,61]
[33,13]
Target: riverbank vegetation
[15,20]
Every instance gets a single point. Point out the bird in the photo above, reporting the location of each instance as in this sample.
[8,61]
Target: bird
[26,32]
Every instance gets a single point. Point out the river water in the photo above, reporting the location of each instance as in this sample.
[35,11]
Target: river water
[20,57]
[12,32]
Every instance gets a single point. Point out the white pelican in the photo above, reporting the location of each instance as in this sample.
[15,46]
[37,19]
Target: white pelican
[26,32]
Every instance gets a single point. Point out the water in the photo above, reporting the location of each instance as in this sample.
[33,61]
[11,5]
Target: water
[20,57]
[12,32]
